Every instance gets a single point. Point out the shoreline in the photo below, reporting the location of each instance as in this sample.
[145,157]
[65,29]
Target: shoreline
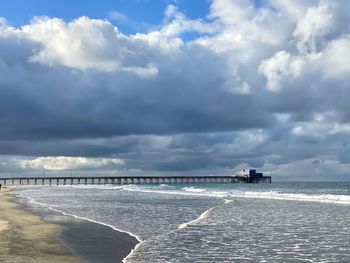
[26,237]
[129,236]
[82,240]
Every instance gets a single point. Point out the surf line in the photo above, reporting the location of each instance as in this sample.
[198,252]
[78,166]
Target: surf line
[203,216]
[140,241]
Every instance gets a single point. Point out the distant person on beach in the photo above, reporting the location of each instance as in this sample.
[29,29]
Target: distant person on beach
[0,186]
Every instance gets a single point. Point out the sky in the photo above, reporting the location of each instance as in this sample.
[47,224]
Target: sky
[172,87]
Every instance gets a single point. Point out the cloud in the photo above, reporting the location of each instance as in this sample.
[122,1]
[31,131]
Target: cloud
[69,163]
[281,66]
[161,102]
[81,44]
[317,23]
[333,60]
[92,81]
[118,16]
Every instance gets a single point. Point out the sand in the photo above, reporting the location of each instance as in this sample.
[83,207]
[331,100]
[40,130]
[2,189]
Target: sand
[27,238]
[32,233]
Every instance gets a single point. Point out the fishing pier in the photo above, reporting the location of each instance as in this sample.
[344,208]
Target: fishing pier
[121,180]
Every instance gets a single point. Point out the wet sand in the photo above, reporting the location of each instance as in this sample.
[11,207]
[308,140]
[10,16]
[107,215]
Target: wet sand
[32,233]
[26,238]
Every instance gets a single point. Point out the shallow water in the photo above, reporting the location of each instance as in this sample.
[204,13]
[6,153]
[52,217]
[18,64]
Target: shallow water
[288,222]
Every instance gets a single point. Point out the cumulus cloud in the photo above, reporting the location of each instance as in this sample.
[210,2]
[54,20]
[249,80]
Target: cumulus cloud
[83,43]
[162,102]
[84,78]
[281,66]
[333,60]
[69,163]
[317,23]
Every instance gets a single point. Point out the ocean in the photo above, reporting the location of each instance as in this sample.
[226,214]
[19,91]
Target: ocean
[278,222]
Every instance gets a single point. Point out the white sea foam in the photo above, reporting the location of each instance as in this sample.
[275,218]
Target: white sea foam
[323,198]
[193,189]
[165,186]
[227,201]
[94,186]
[167,192]
[203,216]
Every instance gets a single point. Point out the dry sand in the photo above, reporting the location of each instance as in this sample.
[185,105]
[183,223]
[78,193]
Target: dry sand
[26,238]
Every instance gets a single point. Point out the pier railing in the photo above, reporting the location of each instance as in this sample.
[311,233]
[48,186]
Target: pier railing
[119,180]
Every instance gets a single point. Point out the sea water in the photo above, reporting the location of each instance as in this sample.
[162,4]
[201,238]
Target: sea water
[278,222]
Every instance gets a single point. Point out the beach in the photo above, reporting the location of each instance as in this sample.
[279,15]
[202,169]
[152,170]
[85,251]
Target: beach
[32,234]
[25,237]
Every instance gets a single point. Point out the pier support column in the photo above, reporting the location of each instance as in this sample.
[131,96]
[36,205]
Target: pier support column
[85,181]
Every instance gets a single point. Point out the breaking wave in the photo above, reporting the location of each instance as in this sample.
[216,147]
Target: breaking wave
[323,198]
[228,194]
[203,216]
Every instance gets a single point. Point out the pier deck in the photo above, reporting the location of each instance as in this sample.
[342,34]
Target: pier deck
[76,180]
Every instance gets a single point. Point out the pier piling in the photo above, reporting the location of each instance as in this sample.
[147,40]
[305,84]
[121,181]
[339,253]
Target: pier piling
[119,180]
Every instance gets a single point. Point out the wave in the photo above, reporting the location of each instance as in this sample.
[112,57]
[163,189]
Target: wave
[173,192]
[227,194]
[323,198]
[196,221]
[193,189]
[166,186]
[50,207]
[93,186]
[227,201]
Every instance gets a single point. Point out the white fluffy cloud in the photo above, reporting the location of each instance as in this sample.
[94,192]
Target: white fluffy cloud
[86,43]
[334,60]
[83,43]
[317,23]
[69,163]
[280,67]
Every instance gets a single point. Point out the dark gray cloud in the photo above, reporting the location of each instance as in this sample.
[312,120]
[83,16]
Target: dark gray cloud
[39,102]
[251,90]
